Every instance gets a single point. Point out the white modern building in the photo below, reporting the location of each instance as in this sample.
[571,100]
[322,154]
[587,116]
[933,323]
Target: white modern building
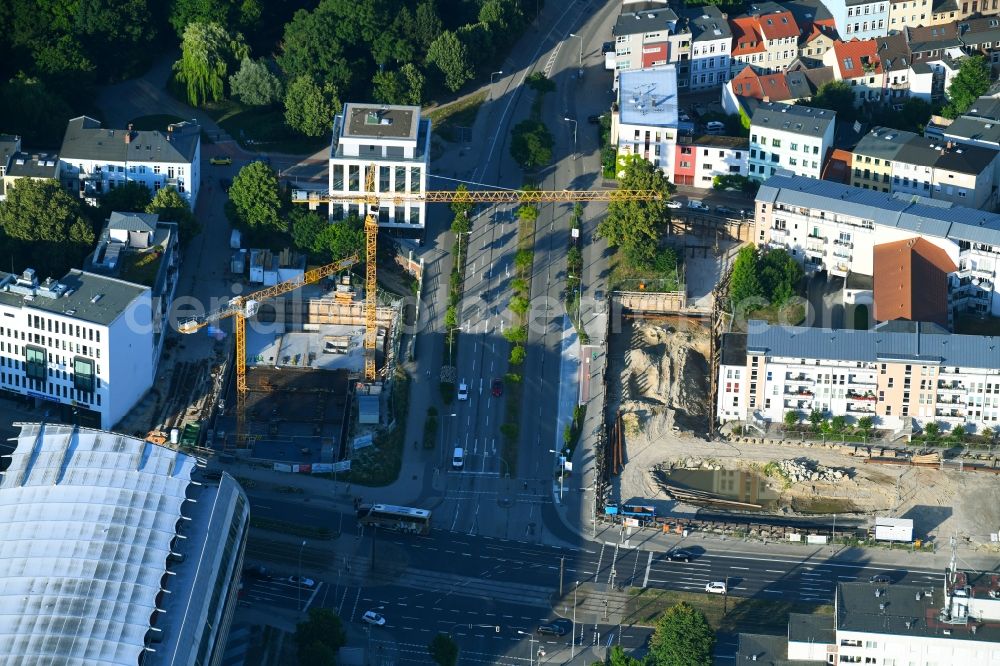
[646,122]
[833,227]
[899,373]
[394,141]
[784,136]
[115,551]
[94,160]
[643,38]
[83,344]
[951,621]
[700,159]
[864,19]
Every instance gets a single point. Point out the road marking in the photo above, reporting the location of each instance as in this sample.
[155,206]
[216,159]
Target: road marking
[741,568]
[649,563]
[775,571]
[772,592]
[811,575]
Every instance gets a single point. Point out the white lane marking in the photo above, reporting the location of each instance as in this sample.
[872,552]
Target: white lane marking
[649,562]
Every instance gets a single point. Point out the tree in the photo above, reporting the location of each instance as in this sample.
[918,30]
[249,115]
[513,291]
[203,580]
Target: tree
[531,144]
[172,207]
[517,355]
[310,109]
[792,418]
[451,57]
[988,433]
[744,283]
[44,227]
[256,197]
[838,424]
[931,430]
[306,227]
[342,239]
[682,637]
[233,14]
[131,196]
[636,226]
[617,657]
[427,25]
[835,96]
[972,81]
[322,628]
[255,84]
[131,25]
[402,86]
[443,650]
[865,424]
[958,433]
[32,110]
[816,418]
[206,53]
[312,47]
[780,275]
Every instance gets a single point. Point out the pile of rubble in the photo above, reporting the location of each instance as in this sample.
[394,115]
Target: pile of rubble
[800,470]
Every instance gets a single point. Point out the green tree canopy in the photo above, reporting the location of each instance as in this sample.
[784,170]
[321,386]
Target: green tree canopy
[835,96]
[451,57]
[312,47]
[132,196]
[427,24]
[207,52]
[636,226]
[309,108]
[443,650]
[256,198]
[531,144]
[172,207]
[44,228]
[33,111]
[682,638]
[744,284]
[402,86]
[780,275]
[243,15]
[255,84]
[617,657]
[323,629]
[306,226]
[342,239]
[972,81]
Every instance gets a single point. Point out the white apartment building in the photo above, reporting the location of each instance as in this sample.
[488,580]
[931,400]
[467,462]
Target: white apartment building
[834,227]
[857,63]
[646,122]
[94,160]
[83,343]
[394,141]
[784,136]
[700,159]
[954,621]
[898,373]
[651,37]
[863,19]
[711,40]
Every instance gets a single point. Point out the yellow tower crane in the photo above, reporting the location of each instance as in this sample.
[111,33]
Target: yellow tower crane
[374,200]
[242,308]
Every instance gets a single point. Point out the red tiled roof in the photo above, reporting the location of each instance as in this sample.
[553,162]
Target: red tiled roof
[911,281]
[765,87]
[778,25]
[747,37]
[838,166]
[852,56]
[820,28]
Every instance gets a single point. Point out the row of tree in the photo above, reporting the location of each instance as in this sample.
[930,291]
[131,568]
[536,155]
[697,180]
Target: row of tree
[763,277]
[44,227]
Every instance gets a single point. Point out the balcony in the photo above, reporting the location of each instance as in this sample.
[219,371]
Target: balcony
[779,234]
[842,254]
[949,414]
[859,409]
[800,393]
[859,380]
[817,237]
[800,379]
[843,243]
[818,249]
[858,397]
[954,387]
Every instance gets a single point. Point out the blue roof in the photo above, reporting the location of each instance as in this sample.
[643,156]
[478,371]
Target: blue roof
[920,343]
[648,96]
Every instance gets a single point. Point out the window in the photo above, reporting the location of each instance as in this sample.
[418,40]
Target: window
[34,362]
[83,374]
[776,143]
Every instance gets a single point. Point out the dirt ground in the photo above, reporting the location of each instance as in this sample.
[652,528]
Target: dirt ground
[659,380]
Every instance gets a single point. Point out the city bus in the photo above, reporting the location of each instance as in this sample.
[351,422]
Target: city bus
[399,518]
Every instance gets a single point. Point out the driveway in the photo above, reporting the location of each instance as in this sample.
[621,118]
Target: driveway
[826,301]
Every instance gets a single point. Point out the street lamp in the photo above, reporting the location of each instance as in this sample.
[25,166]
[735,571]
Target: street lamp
[531,646]
[575,149]
[572,650]
[500,71]
[298,587]
[581,49]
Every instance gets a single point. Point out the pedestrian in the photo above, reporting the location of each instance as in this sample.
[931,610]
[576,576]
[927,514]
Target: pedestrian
[525,485]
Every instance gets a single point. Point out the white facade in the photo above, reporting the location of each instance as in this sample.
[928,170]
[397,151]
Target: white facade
[94,160]
[395,142]
[84,343]
[646,123]
[784,136]
[710,48]
[864,20]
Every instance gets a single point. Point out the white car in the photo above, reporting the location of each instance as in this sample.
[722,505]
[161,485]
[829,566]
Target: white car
[463,391]
[717,587]
[674,203]
[304,582]
[697,204]
[373,618]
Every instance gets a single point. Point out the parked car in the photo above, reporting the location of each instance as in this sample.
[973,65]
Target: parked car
[463,391]
[301,581]
[697,204]
[559,627]
[221,161]
[497,387]
[715,127]
[373,618]
[716,587]
[879,579]
[458,458]
[683,117]
[674,203]
[680,555]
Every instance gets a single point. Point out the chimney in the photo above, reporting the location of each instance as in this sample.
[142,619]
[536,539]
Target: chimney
[949,145]
[128,134]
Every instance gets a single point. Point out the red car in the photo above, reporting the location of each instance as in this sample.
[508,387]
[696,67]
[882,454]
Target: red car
[497,388]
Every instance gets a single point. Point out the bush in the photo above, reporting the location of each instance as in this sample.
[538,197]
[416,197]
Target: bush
[517,355]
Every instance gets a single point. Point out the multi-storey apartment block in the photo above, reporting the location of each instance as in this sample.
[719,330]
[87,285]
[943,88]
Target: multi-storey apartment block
[646,122]
[700,159]
[784,136]
[83,344]
[651,38]
[94,160]
[394,141]
[863,19]
[833,227]
[711,40]
[857,64]
[899,370]
[766,38]
[749,87]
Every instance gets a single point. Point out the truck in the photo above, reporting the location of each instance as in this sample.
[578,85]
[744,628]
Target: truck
[235,240]
[190,435]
